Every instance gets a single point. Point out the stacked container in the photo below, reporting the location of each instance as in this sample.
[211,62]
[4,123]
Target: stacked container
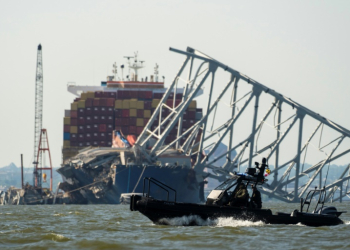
[94,116]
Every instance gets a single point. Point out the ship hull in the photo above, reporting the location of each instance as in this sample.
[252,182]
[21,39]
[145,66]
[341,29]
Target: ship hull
[86,187]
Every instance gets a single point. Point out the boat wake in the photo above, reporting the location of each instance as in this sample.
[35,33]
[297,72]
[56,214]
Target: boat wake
[195,220]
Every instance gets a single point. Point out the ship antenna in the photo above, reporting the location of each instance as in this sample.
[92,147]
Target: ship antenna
[122,67]
[156,72]
[128,57]
[115,67]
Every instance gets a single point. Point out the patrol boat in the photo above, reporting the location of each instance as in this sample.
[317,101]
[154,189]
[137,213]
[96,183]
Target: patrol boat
[221,203]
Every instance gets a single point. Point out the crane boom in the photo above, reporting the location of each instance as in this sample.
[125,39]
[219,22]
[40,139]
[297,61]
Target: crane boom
[38,116]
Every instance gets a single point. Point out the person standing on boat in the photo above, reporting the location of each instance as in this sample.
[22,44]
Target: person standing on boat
[241,196]
[256,198]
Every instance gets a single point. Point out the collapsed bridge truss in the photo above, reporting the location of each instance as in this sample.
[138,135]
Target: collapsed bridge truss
[254,121]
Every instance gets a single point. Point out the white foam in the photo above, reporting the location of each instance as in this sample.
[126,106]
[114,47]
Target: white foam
[198,221]
[231,222]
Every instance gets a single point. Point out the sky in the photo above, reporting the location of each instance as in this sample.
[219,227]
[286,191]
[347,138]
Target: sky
[298,48]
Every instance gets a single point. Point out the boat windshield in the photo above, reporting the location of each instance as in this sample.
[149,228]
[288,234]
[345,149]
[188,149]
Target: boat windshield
[227,183]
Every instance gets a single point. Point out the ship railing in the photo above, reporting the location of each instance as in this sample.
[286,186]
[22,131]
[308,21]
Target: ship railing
[161,185]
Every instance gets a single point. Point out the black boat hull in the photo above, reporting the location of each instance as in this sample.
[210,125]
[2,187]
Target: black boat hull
[158,211]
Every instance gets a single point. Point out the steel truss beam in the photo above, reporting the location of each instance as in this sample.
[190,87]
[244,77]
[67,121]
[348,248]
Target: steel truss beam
[215,127]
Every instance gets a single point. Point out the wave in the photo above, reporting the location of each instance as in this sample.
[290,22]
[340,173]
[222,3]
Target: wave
[195,220]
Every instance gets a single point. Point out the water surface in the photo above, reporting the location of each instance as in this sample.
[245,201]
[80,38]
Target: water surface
[116,227]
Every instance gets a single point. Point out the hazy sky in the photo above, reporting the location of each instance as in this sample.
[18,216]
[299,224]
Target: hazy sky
[298,48]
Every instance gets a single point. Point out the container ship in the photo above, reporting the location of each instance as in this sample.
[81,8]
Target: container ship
[99,155]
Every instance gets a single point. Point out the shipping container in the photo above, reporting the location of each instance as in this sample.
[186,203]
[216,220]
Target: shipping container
[179,96]
[66,136]
[110,111]
[103,119]
[132,130]
[139,130]
[103,102]
[88,137]
[155,103]
[125,130]
[118,113]
[96,102]
[139,122]
[147,113]
[74,122]
[118,121]
[74,137]
[120,94]
[103,136]
[102,128]
[157,95]
[81,112]
[66,128]
[126,104]
[90,94]
[125,113]
[147,105]
[191,115]
[67,113]
[140,105]
[74,106]
[132,121]
[110,127]
[81,129]
[81,121]
[110,102]
[125,122]
[95,127]
[133,103]
[88,144]
[193,105]
[118,104]
[74,113]
[109,119]
[89,111]
[66,120]
[81,137]
[96,110]
[112,95]
[89,120]
[83,96]
[139,113]
[81,104]
[134,94]
[95,136]
[145,121]
[89,102]
[66,144]
[87,128]
[73,129]
[133,113]
[98,94]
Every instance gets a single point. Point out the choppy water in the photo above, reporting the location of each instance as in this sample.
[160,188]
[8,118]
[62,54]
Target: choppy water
[116,227]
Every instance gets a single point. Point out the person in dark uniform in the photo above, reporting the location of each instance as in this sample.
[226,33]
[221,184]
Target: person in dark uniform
[241,197]
[256,198]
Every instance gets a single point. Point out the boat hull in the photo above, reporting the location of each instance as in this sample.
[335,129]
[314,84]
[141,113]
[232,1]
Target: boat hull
[158,211]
